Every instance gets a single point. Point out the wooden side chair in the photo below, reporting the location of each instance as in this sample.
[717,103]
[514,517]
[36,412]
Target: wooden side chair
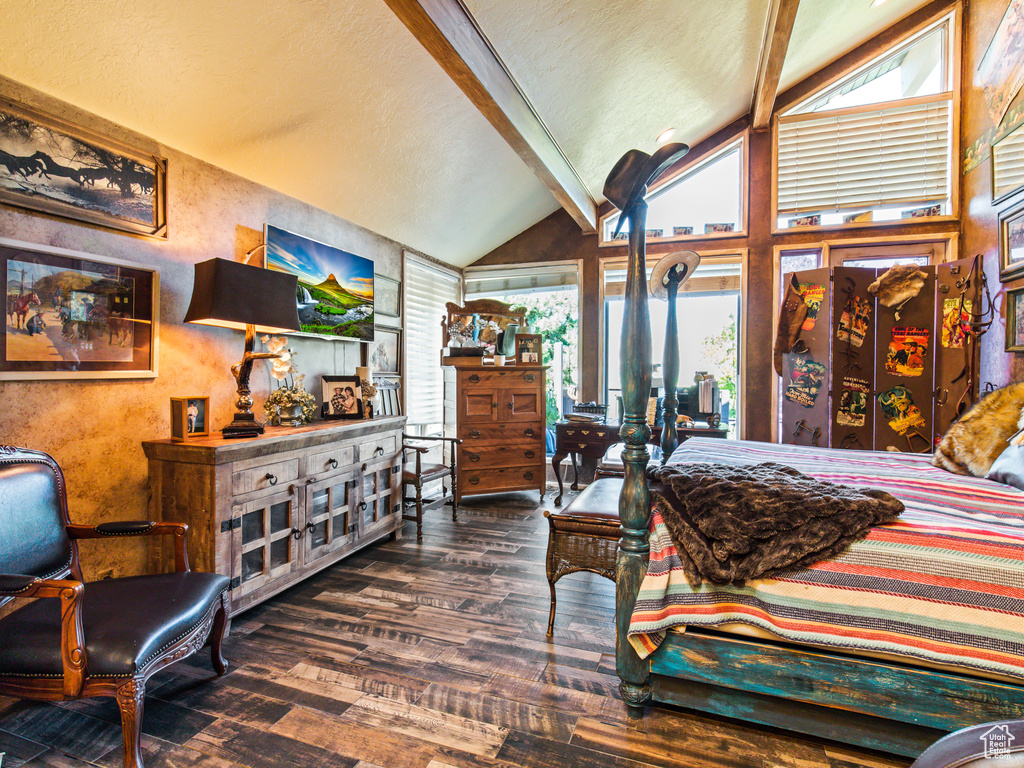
[417,473]
[105,638]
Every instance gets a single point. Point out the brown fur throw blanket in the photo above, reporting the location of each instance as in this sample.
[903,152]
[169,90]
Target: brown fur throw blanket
[733,523]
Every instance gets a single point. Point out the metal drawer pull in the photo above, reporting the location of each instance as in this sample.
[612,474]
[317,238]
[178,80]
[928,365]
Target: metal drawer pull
[474,480]
[476,432]
[529,454]
[310,525]
[473,456]
[510,405]
[379,451]
[530,377]
[333,463]
[362,505]
[272,479]
[474,379]
[528,475]
[530,432]
[296,534]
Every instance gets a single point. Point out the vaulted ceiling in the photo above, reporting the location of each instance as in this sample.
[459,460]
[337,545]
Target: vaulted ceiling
[340,105]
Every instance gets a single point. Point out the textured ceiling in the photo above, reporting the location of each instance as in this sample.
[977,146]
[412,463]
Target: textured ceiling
[610,75]
[336,104]
[827,29]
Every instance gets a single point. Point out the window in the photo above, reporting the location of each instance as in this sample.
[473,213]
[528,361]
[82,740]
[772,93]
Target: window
[708,310]
[550,293]
[427,289]
[704,198]
[876,146]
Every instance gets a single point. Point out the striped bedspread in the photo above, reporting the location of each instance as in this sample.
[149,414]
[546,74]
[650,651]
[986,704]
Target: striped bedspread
[944,583]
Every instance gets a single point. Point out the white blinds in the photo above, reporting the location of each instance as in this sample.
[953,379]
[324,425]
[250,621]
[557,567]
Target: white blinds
[427,289]
[715,274]
[486,282]
[865,157]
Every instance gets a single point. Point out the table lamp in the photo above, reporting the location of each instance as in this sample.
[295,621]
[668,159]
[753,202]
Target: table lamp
[230,294]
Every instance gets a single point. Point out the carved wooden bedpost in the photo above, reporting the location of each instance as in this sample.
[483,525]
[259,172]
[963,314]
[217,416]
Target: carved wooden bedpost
[625,188]
[635,501]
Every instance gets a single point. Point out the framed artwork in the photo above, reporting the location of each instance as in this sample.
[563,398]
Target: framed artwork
[74,315]
[528,349]
[190,417]
[386,351]
[51,166]
[387,297]
[1015,320]
[342,397]
[1001,72]
[1008,165]
[1011,244]
[335,293]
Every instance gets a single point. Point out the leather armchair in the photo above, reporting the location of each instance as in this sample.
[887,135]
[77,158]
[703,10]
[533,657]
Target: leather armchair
[417,473]
[91,644]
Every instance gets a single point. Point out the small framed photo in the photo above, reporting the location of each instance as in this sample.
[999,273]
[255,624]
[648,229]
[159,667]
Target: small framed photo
[1015,320]
[528,349]
[190,417]
[1011,244]
[342,397]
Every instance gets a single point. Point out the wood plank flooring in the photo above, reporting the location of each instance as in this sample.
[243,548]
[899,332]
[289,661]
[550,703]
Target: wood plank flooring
[411,655]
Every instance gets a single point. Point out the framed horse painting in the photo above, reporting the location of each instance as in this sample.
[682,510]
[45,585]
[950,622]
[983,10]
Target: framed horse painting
[74,315]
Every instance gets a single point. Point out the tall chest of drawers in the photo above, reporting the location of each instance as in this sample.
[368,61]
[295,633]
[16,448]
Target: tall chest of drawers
[272,510]
[499,412]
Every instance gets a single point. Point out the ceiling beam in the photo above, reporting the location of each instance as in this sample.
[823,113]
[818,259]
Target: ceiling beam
[778,30]
[450,34]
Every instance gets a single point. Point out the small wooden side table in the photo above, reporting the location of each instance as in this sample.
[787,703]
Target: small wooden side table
[593,440]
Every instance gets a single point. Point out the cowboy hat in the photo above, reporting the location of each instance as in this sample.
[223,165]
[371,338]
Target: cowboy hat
[630,176]
[684,262]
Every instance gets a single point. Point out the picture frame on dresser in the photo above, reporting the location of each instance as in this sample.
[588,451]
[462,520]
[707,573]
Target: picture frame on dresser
[61,169]
[190,417]
[529,349]
[1011,243]
[342,397]
[77,315]
[1015,320]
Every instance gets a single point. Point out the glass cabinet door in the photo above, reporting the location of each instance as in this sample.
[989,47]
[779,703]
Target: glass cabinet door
[266,545]
[381,494]
[330,523]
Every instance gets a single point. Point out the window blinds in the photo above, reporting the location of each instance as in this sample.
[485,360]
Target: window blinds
[898,153]
[497,282]
[427,290]
[1008,164]
[715,274]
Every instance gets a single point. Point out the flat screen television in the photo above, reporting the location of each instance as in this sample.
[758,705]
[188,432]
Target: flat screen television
[335,291]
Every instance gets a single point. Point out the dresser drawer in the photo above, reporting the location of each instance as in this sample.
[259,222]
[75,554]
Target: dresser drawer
[479,434]
[328,461]
[386,445]
[593,435]
[472,480]
[509,455]
[499,378]
[265,477]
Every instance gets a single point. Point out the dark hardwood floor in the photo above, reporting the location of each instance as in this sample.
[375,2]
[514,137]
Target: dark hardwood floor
[427,655]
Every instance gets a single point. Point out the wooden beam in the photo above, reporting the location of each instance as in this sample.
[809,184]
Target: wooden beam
[777,32]
[451,35]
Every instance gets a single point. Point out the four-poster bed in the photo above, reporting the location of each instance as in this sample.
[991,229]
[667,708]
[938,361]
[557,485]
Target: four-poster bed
[891,703]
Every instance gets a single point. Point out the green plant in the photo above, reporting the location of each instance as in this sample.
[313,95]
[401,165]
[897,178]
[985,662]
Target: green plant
[719,352]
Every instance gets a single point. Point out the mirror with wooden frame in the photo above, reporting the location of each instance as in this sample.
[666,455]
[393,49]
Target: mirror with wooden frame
[488,317]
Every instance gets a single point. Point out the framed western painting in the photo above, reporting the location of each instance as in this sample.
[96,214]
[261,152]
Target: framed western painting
[335,293]
[387,300]
[51,166]
[1015,320]
[386,351]
[74,315]
[342,397]
[190,417]
[1011,244]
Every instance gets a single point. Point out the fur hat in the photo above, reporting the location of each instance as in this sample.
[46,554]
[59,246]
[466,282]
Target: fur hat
[898,284]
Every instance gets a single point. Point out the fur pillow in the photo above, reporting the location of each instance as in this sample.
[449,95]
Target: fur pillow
[980,436]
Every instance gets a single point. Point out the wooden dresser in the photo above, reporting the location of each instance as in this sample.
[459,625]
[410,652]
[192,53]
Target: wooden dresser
[499,412]
[271,510]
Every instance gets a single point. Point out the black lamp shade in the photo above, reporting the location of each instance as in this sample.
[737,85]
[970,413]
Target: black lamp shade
[230,294]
